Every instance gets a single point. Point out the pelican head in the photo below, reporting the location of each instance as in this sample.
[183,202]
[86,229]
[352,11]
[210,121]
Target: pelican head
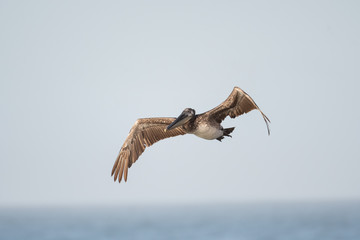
[183,118]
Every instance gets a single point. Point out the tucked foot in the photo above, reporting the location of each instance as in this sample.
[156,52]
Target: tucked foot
[226,133]
[220,138]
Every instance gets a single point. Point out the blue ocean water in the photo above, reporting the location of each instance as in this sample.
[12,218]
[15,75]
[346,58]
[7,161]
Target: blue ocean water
[280,221]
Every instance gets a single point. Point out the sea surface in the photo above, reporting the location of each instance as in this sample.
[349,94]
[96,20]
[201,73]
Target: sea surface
[252,221]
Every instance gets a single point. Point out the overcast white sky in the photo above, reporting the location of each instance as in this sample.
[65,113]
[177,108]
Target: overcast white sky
[75,75]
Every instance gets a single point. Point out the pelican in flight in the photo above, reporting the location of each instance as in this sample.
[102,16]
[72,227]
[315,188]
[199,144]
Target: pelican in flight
[147,131]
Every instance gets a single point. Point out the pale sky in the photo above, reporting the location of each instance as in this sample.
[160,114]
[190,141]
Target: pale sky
[75,75]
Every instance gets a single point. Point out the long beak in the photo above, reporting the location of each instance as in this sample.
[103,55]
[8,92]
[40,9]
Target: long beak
[182,119]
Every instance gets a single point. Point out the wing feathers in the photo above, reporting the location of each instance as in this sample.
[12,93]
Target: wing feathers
[144,133]
[121,168]
[238,103]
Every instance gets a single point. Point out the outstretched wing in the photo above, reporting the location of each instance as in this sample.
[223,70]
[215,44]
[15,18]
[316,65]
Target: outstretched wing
[238,103]
[144,133]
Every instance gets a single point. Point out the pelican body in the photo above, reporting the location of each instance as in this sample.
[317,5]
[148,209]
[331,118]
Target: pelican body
[202,125]
[147,131]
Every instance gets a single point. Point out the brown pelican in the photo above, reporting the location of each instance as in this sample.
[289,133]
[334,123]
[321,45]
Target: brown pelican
[147,131]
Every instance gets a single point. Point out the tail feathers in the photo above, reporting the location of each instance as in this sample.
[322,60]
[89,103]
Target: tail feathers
[227,131]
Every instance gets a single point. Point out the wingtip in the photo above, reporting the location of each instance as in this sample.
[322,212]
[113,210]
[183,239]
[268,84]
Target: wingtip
[115,177]
[267,121]
[267,125]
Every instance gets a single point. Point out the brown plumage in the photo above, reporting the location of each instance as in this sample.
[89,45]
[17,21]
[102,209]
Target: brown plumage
[238,103]
[144,133]
[147,131]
